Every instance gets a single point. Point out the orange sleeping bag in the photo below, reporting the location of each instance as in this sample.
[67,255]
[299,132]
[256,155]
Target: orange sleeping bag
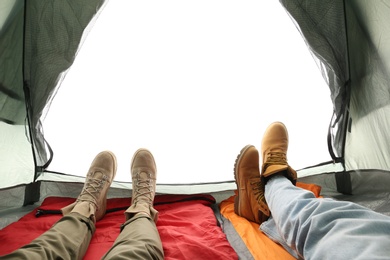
[259,245]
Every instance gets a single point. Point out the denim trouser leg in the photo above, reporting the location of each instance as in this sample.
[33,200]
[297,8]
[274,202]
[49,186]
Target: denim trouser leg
[324,228]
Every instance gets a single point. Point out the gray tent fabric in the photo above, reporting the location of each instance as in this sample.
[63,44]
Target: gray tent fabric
[12,105]
[15,149]
[349,39]
[39,41]
[368,142]
[53,33]
[322,25]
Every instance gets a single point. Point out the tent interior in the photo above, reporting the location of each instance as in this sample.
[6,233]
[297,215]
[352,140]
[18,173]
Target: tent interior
[193,83]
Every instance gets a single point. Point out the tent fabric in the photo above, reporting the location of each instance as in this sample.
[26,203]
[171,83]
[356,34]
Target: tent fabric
[258,244]
[187,227]
[16,160]
[41,39]
[370,189]
[367,145]
[12,101]
[15,149]
[38,43]
[322,25]
[350,41]
[53,34]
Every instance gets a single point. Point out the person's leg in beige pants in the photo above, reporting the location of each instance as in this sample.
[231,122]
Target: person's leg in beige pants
[139,239]
[67,239]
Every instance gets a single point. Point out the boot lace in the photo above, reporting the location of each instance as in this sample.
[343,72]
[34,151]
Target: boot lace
[258,190]
[92,188]
[144,189]
[276,158]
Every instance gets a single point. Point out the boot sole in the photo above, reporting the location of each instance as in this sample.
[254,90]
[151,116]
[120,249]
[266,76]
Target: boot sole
[236,163]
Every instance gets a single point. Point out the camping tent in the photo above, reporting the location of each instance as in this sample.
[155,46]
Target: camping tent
[348,39]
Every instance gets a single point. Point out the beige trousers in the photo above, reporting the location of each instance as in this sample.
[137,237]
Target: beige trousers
[69,238]
[139,239]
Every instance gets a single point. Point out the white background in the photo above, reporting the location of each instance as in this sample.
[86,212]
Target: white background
[194,82]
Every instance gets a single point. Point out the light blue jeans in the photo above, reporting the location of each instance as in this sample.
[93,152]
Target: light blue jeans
[312,228]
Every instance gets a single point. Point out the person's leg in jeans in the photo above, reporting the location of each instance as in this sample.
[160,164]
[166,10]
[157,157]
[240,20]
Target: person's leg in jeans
[306,226]
[325,228]
[69,238]
[139,238]
[250,202]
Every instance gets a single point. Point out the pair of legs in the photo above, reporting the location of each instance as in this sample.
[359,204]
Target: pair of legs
[69,238]
[313,228]
[307,227]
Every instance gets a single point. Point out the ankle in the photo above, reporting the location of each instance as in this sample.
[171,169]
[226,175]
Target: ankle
[85,209]
[281,174]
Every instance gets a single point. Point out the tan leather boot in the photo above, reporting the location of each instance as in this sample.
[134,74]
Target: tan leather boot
[143,173]
[92,201]
[249,202]
[274,151]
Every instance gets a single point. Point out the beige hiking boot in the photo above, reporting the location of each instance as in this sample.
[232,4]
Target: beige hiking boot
[274,151]
[92,201]
[249,202]
[143,173]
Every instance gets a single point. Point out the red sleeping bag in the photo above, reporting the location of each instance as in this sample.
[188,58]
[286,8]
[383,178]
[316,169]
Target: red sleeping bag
[187,226]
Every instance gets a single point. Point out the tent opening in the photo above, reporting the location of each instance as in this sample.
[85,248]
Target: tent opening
[193,82]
